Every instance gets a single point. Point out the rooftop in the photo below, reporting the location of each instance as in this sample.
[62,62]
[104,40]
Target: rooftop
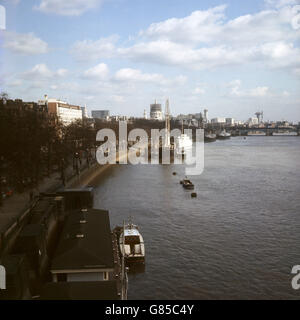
[85,242]
[100,290]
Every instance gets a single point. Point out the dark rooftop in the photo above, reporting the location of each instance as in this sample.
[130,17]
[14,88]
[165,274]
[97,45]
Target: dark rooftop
[32,230]
[85,242]
[66,190]
[13,262]
[99,290]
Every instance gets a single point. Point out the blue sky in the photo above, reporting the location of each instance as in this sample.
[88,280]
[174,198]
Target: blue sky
[233,58]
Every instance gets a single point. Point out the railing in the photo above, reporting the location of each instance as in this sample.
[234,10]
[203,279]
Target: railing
[16,224]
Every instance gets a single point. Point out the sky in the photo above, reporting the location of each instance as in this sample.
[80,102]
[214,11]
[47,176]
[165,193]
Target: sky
[232,57]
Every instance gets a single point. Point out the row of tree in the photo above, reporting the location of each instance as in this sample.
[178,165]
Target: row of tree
[34,144]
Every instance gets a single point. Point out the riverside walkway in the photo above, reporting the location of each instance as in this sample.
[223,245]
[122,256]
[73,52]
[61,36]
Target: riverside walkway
[19,203]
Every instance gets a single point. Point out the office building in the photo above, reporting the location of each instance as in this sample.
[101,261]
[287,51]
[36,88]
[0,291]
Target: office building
[230,121]
[65,112]
[218,120]
[100,114]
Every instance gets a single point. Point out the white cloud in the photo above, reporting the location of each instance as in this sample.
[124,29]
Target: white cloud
[137,76]
[234,83]
[281,54]
[100,72]
[200,26]
[61,72]
[2,18]
[117,98]
[179,80]
[93,50]
[210,26]
[42,72]
[170,53]
[15,83]
[280,3]
[206,40]
[67,7]
[89,98]
[235,90]
[38,71]
[259,92]
[26,43]
[297,71]
[128,74]
[199,91]
[14,2]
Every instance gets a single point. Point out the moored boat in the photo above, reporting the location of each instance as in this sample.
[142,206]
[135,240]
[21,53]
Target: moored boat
[224,135]
[256,133]
[187,184]
[285,133]
[131,243]
[210,137]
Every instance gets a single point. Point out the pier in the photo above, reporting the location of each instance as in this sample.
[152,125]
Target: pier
[32,243]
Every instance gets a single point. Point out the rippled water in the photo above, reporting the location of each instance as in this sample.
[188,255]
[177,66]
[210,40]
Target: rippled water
[238,239]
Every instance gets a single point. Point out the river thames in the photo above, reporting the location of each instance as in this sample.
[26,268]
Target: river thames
[237,240]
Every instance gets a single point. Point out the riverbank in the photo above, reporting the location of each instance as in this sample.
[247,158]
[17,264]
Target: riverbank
[19,205]
[87,177]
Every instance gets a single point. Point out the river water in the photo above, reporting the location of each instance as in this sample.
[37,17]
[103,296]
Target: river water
[238,239]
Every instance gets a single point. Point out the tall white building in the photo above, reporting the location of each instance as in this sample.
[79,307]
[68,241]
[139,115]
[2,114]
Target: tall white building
[84,112]
[218,120]
[65,112]
[230,121]
[145,114]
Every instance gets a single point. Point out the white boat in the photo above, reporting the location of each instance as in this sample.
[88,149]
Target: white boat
[224,135]
[183,143]
[131,242]
[256,133]
[285,133]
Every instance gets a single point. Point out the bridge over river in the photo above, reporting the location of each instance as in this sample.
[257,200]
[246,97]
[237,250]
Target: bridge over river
[244,131]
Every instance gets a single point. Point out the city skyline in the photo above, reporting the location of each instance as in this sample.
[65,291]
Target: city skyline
[231,58]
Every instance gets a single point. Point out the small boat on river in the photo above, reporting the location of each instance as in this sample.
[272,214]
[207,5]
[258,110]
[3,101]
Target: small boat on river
[224,135]
[210,137]
[187,184]
[131,243]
